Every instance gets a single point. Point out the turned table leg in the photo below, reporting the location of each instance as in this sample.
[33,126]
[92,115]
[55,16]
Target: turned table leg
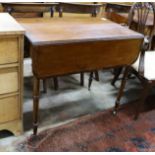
[90,80]
[36,88]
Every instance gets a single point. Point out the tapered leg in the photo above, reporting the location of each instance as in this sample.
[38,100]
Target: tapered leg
[44,85]
[90,80]
[82,79]
[55,81]
[117,73]
[96,76]
[117,103]
[143,97]
[36,88]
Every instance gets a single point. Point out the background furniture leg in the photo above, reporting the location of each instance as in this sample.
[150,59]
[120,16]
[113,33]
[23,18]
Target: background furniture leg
[90,80]
[96,75]
[82,79]
[45,86]
[117,103]
[55,81]
[117,73]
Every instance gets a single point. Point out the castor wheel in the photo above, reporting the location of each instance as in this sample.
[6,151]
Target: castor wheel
[114,112]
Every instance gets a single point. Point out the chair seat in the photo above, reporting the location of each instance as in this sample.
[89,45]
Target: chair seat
[27,67]
[149,65]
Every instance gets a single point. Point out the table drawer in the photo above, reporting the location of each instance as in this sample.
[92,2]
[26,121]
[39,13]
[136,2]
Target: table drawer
[9,50]
[9,108]
[8,80]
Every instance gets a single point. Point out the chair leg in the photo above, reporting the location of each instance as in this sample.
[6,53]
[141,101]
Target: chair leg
[97,76]
[90,80]
[153,43]
[117,103]
[44,85]
[36,89]
[141,102]
[82,79]
[116,75]
[55,81]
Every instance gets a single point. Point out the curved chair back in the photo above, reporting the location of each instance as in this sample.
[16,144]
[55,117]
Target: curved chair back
[142,19]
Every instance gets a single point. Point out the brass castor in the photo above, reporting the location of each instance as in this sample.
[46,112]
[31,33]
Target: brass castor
[114,112]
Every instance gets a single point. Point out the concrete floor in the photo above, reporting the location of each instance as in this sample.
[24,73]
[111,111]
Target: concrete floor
[70,102]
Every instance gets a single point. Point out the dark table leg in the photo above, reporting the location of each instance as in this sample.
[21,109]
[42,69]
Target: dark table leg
[44,85]
[82,79]
[56,85]
[36,88]
[97,76]
[90,80]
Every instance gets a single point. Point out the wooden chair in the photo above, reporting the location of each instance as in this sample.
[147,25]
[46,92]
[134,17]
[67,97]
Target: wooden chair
[143,68]
[133,25]
[30,10]
[78,9]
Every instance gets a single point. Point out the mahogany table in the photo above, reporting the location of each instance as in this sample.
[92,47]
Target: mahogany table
[62,46]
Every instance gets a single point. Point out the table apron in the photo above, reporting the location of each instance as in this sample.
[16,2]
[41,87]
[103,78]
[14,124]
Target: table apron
[54,60]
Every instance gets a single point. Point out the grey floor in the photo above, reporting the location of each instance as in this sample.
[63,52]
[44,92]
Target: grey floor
[70,102]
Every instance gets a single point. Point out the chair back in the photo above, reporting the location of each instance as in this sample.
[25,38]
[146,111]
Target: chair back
[142,19]
[92,9]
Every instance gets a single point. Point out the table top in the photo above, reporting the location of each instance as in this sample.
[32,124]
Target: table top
[66,30]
